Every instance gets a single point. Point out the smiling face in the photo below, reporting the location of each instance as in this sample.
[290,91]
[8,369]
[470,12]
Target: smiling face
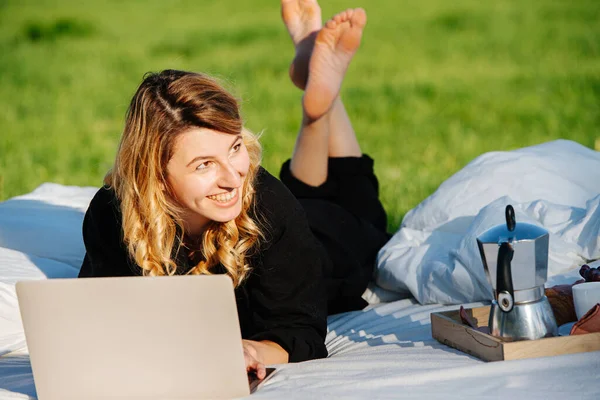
[206,174]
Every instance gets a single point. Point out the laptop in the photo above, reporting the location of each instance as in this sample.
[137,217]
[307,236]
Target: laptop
[175,337]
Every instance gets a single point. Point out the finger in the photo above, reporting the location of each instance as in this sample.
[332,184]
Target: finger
[251,362]
[261,371]
[252,365]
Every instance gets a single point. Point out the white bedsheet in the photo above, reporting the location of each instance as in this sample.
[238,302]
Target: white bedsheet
[385,351]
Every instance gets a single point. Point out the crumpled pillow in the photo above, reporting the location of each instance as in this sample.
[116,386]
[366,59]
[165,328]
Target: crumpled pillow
[434,255]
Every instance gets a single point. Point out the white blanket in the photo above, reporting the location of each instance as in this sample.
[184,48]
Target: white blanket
[385,351]
[434,254]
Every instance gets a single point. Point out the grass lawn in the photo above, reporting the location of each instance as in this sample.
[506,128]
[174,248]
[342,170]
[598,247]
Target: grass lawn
[435,84]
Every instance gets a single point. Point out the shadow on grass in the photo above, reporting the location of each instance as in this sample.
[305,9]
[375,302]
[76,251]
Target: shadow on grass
[37,31]
[200,42]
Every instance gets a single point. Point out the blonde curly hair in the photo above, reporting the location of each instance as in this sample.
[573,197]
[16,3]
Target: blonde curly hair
[166,105]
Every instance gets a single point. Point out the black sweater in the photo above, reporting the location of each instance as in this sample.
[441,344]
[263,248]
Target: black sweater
[284,298]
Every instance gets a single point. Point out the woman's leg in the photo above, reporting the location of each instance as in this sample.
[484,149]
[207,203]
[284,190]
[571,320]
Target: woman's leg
[303,21]
[342,138]
[320,65]
[328,174]
[310,155]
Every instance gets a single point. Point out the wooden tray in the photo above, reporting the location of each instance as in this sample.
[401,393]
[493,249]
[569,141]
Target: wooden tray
[447,328]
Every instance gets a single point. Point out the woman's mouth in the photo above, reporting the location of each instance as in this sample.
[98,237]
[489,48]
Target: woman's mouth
[224,198]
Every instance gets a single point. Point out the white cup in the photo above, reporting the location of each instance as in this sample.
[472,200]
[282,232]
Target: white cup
[585,296]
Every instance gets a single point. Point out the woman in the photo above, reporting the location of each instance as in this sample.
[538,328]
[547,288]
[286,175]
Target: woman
[186,195]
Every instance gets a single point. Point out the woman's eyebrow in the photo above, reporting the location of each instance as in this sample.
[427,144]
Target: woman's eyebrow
[196,159]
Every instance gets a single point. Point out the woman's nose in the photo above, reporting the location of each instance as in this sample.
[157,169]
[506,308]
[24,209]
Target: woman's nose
[229,176]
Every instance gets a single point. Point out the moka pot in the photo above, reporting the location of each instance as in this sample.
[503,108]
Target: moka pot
[515,259]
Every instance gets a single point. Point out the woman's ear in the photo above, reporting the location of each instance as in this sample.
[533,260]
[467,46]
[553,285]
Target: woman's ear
[163,186]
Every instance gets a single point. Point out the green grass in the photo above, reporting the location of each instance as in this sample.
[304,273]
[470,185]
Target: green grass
[435,83]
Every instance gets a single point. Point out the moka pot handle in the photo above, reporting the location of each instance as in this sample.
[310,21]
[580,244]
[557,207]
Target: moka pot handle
[504,283]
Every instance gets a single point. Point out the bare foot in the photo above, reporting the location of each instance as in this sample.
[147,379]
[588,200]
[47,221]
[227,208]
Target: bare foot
[334,48]
[302,19]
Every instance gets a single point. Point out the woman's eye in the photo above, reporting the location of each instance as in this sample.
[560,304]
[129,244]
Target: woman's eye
[237,147]
[203,166]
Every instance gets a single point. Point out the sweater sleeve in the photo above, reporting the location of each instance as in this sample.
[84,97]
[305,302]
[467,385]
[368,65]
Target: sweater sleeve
[102,236]
[286,289]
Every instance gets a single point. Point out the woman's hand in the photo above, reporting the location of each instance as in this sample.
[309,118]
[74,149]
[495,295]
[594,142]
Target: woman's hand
[258,354]
[253,360]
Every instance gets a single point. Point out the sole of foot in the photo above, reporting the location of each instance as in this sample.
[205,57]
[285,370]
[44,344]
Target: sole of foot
[335,45]
[302,19]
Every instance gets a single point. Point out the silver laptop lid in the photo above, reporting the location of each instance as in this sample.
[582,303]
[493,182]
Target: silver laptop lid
[172,337]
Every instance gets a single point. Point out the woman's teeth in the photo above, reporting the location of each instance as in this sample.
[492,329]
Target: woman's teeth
[224,197]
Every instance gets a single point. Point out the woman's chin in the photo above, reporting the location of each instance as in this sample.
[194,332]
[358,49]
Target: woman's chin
[227,215]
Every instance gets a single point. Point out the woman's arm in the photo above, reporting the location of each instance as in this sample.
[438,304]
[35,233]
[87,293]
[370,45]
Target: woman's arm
[269,351]
[286,289]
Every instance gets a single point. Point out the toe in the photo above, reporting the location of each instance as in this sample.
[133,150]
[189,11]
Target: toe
[359,17]
[338,17]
